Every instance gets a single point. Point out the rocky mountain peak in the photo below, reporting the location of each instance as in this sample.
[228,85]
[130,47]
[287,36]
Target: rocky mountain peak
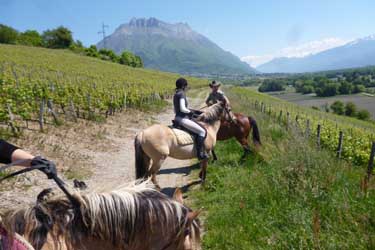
[144,22]
[173,47]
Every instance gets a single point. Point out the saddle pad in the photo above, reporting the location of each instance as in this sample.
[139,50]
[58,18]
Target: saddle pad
[183,137]
[19,243]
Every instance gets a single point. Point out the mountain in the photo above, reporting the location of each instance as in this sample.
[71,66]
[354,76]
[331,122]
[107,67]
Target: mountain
[358,53]
[174,48]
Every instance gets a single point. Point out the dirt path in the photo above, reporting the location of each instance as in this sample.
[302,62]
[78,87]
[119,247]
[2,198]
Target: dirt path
[104,152]
[116,167]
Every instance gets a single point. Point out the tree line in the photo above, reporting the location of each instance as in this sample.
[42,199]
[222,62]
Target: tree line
[329,83]
[62,38]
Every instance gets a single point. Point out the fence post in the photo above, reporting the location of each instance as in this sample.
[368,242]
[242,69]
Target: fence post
[50,110]
[72,110]
[125,101]
[11,120]
[280,115]
[41,113]
[339,147]
[297,120]
[307,133]
[318,136]
[371,161]
[287,120]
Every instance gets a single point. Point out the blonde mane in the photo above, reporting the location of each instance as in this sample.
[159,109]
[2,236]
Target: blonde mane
[212,113]
[122,216]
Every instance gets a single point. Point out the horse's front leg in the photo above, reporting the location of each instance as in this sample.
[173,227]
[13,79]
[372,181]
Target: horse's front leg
[203,172]
[246,152]
[214,155]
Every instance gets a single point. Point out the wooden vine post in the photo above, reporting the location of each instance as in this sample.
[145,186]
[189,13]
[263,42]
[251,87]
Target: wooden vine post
[51,110]
[318,135]
[41,115]
[11,120]
[307,133]
[370,166]
[339,146]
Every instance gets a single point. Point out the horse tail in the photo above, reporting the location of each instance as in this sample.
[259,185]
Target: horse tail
[256,134]
[142,161]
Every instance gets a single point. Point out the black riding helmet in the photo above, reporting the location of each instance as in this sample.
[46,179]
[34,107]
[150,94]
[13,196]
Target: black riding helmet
[181,83]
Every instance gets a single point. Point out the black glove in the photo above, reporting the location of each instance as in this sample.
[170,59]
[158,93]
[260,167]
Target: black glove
[196,112]
[49,169]
[190,115]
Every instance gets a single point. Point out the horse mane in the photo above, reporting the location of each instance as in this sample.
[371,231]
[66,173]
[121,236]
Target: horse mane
[212,113]
[118,216]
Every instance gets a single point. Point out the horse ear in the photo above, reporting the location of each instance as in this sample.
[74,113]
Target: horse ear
[44,195]
[178,196]
[193,215]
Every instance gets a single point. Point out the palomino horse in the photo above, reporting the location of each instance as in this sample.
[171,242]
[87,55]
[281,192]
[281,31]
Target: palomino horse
[158,142]
[129,218]
[239,130]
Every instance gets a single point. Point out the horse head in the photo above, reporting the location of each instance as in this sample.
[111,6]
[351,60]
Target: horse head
[213,113]
[191,230]
[43,219]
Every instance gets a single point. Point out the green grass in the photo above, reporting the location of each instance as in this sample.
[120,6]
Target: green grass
[289,195]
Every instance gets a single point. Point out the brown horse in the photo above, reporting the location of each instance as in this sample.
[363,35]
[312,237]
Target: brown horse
[129,218]
[239,130]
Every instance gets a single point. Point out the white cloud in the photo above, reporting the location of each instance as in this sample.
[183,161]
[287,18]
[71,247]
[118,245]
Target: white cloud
[257,60]
[301,50]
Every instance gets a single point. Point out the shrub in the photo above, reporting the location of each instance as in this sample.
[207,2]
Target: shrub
[59,38]
[350,109]
[108,55]
[338,107]
[30,38]
[363,115]
[271,85]
[345,88]
[307,89]
[328,89]
[359,88]
[128,58]
[8,34]
[78,47]
[92,51]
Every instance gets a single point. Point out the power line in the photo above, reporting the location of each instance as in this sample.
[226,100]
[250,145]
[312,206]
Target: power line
[103,32]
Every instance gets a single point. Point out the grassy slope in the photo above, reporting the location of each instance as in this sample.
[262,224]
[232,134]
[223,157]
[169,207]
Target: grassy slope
[70,64]
[289,196]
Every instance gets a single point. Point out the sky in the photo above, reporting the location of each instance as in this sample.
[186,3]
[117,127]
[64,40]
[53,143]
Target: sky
[254,30]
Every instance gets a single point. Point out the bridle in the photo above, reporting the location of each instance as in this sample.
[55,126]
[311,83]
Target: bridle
[48,169]
[187,232]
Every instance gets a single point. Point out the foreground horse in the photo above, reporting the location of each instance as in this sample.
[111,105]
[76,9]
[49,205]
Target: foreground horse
[239,130]
[128,218]
[157,142]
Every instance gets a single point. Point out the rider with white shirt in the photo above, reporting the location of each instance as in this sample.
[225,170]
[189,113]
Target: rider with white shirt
[184,117]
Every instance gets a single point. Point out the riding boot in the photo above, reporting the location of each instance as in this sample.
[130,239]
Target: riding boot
[201,152]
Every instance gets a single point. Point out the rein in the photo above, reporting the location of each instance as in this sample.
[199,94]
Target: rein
[186,233]
[49,170]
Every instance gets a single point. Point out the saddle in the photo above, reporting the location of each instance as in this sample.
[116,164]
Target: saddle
[184,137]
